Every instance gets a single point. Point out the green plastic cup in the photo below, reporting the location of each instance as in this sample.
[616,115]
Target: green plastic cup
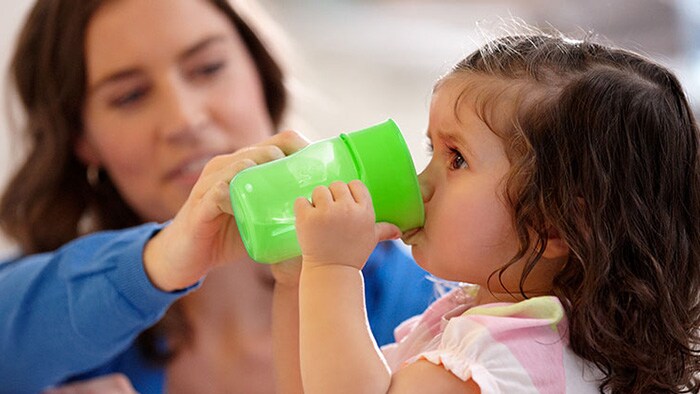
[263,196]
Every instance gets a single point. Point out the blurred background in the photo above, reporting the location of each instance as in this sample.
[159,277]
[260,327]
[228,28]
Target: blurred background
[358,62]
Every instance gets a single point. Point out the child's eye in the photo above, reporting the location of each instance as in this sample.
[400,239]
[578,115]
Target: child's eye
[429,147]
[457,160]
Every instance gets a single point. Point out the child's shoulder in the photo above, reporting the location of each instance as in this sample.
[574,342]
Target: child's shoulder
[518,346]
[543,311]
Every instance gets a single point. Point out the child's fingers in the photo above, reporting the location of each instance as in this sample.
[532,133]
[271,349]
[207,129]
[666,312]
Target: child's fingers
[321,197]
[340,192]
[300,204]
[359,192]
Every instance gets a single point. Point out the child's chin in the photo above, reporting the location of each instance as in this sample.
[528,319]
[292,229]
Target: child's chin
[419,257]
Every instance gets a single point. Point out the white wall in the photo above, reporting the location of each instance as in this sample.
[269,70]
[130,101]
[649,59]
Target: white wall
[360,62]
[368,60]
[12,14]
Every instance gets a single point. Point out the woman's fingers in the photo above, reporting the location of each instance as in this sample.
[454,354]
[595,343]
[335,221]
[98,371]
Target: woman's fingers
[224,167]
[288,141]
[273,148]
[256,154]
[219,193]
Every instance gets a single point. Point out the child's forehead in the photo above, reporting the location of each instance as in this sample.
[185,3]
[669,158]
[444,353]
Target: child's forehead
[493,100]
[478,89]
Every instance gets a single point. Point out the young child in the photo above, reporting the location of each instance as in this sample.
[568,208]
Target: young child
[565,186]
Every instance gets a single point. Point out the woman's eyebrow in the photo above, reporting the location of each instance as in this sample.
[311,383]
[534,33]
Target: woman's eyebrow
[133,72]
[120,75]
[201,45]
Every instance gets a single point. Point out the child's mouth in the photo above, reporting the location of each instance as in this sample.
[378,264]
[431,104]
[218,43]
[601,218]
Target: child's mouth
[408,235]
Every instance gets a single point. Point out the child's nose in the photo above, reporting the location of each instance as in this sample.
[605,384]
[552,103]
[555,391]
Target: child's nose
[426,189]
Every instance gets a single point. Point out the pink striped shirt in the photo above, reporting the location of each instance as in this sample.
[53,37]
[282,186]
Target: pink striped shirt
[503,347]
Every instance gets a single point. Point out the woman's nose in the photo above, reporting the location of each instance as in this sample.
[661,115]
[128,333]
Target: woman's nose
[426,188]
[181,113]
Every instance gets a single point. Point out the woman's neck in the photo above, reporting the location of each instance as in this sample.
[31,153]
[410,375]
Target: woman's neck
[230,346]
[234,295]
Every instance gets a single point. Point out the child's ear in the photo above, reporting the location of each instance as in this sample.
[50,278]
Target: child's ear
[556,246]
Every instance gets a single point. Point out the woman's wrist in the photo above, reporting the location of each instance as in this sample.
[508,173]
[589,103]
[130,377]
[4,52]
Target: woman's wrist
[153,266]
[161,269]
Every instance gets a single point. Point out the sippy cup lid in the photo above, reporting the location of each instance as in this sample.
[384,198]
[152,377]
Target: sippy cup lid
[386,167]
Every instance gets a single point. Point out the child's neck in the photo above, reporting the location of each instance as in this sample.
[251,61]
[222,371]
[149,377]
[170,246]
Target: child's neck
[484,296]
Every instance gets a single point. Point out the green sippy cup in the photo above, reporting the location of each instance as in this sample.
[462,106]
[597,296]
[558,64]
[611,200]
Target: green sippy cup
[263,196]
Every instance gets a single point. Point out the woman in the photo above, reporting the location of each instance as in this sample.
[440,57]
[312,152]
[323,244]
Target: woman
[126,101]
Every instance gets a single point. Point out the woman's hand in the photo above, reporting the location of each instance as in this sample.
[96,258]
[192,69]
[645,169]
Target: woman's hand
[338,226]
[109,384]
[203,234]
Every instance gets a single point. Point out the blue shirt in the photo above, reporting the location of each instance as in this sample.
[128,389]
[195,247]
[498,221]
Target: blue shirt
[55,329]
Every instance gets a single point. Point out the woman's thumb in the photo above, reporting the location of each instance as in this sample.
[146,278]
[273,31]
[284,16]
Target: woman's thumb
[386,231]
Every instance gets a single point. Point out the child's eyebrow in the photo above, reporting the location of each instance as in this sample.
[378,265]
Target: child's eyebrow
[457,140]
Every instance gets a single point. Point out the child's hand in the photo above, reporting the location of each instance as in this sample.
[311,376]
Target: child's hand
[337,227]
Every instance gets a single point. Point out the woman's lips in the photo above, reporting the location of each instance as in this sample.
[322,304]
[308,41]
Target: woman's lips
[189,171]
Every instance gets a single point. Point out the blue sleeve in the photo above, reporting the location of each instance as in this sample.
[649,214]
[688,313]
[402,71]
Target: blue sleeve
[145,376]
[68,311]
[396,288]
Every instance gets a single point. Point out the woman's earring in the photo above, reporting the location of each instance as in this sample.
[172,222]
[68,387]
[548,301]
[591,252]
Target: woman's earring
[93,175]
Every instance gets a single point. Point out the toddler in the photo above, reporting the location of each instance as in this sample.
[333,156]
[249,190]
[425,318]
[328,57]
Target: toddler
[564,187]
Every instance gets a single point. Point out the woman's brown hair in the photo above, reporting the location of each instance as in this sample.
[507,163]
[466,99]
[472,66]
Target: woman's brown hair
[49,194]
[605,151]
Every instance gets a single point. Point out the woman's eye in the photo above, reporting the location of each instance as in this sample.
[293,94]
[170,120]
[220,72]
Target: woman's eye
[129,98]
[457,160]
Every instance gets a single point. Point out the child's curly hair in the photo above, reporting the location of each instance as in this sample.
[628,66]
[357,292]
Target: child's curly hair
[604,151]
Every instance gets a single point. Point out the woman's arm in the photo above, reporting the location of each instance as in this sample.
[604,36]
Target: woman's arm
[204,234]
[285,327]
[71,310]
